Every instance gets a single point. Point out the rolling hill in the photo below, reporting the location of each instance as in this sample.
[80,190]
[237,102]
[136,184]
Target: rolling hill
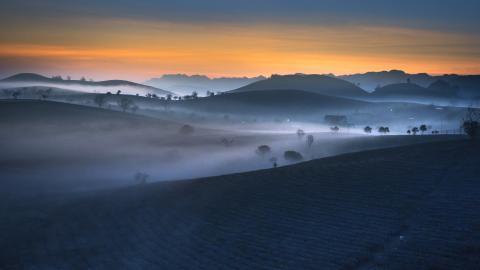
[467,86]
[318,84]
[413,207]
[284,101]
[32,79]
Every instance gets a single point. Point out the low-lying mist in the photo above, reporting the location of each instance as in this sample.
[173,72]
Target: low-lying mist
[64,155]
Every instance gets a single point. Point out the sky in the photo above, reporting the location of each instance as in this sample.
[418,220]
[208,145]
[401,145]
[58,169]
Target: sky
[138,40]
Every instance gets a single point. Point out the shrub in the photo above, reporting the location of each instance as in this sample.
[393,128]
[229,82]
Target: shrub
[292,156]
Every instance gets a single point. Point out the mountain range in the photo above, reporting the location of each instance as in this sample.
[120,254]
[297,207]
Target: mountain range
[185,84]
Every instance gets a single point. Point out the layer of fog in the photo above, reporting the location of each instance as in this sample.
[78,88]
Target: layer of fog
[39,158]
[125,89]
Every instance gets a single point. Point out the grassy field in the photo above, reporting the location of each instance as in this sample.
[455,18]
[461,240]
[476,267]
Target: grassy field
[411,207]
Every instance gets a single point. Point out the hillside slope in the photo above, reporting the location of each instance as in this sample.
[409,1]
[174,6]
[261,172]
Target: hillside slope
[319,84]
[271,101]
[414,207]
[32,79]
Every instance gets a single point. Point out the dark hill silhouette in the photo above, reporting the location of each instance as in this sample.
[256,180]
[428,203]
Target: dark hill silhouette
[318,84]
[271,101]
[465,85]
[39,80]
[21,112]
[356,211]
[371,80]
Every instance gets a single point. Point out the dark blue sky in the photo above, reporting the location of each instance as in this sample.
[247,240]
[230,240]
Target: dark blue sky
[142,39]
[450,15]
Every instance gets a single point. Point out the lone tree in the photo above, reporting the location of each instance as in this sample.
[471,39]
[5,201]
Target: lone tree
[263,150]
[423,128]
[335,129]
[415,130]
[186,130]
[99,99]
[310,140]
[471,123]
[367,130]
[16,94]
[292,156]
[125,103]
[273,160]
[409,132]
[300,133]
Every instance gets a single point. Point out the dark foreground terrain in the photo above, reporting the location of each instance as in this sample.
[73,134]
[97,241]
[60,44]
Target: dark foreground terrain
[412,207]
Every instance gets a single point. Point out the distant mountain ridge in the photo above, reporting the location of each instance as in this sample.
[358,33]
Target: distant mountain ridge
[186,84]
[36,79]
[467,85]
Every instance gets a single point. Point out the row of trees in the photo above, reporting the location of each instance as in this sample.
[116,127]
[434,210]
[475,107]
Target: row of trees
[289,155]
[381,129]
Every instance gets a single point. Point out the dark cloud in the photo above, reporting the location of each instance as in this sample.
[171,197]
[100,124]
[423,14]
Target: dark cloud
[457,15]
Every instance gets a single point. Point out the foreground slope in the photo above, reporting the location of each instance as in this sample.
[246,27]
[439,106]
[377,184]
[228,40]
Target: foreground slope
[415,207]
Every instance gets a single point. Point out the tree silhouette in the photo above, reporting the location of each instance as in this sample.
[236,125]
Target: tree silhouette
[335,129]
[423,128]
[262,150]
[310,140]
[367,129]
[383,130]
[471,125]
[415,130]
[15,94]
[300,133]
[292,156]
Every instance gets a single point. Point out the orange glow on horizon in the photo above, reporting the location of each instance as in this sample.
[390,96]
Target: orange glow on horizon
[141,50]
